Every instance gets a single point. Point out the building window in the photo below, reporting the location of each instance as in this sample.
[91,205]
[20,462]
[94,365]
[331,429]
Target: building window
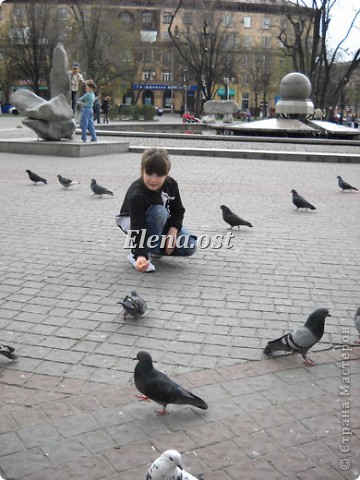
[125,17]
[246,42]
[228,21]
[167,17]
[245,101]
[148,36]
[266,23]
[166,76]
[245,60]
[62,12]
[146,17]
[283,24]
[18,13]
[19,36]
[230,40]
[247,22]
[126,55]
[147,75]
[187,19]
[148,56]
[166,58]
[266,41]
[245,79]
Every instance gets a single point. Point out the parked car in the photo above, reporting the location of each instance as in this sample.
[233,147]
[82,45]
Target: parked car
[159,111]
[9,108]
[188,118]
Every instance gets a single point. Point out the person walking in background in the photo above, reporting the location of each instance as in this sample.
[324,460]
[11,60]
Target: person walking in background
[86,119]
[75,79]
[105,108]
[318,114]
[97,109]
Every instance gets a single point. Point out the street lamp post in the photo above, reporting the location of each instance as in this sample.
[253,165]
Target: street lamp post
[227,81]
[185,98]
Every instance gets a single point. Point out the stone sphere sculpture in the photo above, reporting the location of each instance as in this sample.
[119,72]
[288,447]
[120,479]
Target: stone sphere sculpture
[295,86]
[295,90]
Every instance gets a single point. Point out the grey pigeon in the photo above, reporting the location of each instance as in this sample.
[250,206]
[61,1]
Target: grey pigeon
[133,305]
[232,219]
[157,386]
[300,201]
[168,467]
[34,177]
[98,189]
[8,351]
[302,338]
[357,323]
[66,182]
[344,185]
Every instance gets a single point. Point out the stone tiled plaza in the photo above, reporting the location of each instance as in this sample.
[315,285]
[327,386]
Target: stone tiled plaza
[67,405]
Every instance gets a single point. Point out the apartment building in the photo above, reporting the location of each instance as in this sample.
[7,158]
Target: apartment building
[165,77]
[252,28]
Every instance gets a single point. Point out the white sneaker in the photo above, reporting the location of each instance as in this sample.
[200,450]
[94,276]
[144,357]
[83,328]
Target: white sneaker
[150,267]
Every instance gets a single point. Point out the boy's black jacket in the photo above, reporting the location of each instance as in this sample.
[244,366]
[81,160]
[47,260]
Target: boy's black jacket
[139,198]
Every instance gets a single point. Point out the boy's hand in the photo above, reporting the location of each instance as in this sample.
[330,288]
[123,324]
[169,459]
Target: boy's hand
[170,243]
[141,264]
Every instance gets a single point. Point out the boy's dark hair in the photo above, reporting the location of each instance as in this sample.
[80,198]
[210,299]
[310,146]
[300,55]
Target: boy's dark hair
[155,161]
[91,84]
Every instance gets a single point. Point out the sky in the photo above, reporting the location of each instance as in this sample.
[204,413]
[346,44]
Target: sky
[342,14]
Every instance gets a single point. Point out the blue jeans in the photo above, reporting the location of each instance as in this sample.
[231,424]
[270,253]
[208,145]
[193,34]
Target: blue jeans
[156,220]
[87,123]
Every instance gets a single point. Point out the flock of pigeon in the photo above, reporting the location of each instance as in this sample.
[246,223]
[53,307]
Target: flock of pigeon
[67,182]
[300,203]
[156,385]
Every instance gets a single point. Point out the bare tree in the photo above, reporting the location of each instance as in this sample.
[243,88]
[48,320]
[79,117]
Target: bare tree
[110,51]
[306,42]
[33,35]
[207,47]
[259,65]
[92,35]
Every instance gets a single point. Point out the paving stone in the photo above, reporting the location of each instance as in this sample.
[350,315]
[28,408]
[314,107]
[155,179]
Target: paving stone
[36,435]
[72,425]
[209,318]
[64,451]
[10,443]
[23,463]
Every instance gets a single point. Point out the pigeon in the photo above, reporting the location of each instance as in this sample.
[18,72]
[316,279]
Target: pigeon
[35,178]
[133,305]
[168,467]
[98,189]
[232,219]
[156,386]
[66,182]
[302,338]
[300,202]
[357,323]
[8,351]
[344,185]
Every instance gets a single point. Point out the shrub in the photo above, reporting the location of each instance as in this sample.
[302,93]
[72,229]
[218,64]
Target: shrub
[148,112]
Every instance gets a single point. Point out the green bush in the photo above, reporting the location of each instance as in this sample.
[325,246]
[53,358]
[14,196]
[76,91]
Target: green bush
[148,112]
[136,112]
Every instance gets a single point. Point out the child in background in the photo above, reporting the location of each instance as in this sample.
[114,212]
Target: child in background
[86,119]
[153,204]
